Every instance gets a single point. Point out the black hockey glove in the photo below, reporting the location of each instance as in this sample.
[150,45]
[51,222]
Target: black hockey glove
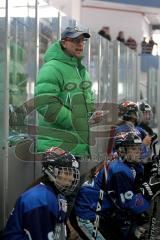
[139,233]
[154,169]
[151,188]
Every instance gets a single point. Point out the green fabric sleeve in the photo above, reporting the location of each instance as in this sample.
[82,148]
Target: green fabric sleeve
[48,103]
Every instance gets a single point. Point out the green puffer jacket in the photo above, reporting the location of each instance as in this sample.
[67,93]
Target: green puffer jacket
[64,102]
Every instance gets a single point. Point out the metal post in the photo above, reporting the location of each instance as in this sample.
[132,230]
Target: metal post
[138,80]
[99,68]
[37,35]
[89,55]
[59,25]
[158,96]
[5,116]
[116,57]
[36,172]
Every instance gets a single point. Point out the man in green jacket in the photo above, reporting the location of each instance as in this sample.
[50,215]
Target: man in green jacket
[63,96]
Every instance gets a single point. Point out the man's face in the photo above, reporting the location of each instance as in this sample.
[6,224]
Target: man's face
[74,46]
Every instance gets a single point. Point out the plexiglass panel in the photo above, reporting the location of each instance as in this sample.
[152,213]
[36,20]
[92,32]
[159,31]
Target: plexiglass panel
[153,94]
[122,64]
[106,69]
[48,28]
[113,68]
[3,107]
[67,22]
[150,86]
[22,73]
[94,64]
[127,73]
[22,66]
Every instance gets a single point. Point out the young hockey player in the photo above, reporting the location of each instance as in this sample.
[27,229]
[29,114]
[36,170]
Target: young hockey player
[83,214]
[130,195]
[129,114]
[40,212]
[126,198]
[129,117]
[146,115]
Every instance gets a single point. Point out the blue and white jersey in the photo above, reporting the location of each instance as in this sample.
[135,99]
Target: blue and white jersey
[123,185]
[39,214]
[87,198]
[122,191]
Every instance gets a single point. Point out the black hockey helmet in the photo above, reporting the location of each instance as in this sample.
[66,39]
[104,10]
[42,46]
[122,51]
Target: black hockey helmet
[56,163]
[145,110]
[125,141]
[128,111]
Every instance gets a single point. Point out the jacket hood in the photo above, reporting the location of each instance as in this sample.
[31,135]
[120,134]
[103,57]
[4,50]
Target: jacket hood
[55,52]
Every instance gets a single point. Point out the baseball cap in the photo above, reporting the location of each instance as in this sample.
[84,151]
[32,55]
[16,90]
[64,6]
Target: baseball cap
[73,32]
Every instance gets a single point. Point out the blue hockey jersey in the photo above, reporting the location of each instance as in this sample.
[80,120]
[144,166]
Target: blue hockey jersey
[122,192]
[123,185]
[39,214]
[87,198]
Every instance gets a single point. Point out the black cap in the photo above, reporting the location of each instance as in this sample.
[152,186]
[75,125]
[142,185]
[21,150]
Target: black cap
[73,32]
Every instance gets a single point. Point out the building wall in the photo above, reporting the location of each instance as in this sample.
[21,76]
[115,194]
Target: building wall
[71,8]
[132,22]
[95,14]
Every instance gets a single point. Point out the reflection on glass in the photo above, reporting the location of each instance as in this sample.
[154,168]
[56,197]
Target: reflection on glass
[120,89]
[127,77]
[48,29]
[106,70]
[22,66]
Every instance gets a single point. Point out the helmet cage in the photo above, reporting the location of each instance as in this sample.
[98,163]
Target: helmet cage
[57,163]
[145,111]
[55,172]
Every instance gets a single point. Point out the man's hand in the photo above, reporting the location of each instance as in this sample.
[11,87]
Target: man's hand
[96,117]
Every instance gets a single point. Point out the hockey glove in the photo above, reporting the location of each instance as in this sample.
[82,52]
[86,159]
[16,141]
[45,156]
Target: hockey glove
[151,188]
[154,169]
[139,232]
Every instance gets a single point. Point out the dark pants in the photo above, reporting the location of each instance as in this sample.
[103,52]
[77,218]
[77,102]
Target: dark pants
[109,229]
[117,228]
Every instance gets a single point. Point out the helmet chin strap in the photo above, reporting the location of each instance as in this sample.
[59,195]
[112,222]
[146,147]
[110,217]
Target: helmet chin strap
[53,179]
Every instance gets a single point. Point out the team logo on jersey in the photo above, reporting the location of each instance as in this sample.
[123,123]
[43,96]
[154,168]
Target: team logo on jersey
[139,201]
[63,205]
[59,233]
